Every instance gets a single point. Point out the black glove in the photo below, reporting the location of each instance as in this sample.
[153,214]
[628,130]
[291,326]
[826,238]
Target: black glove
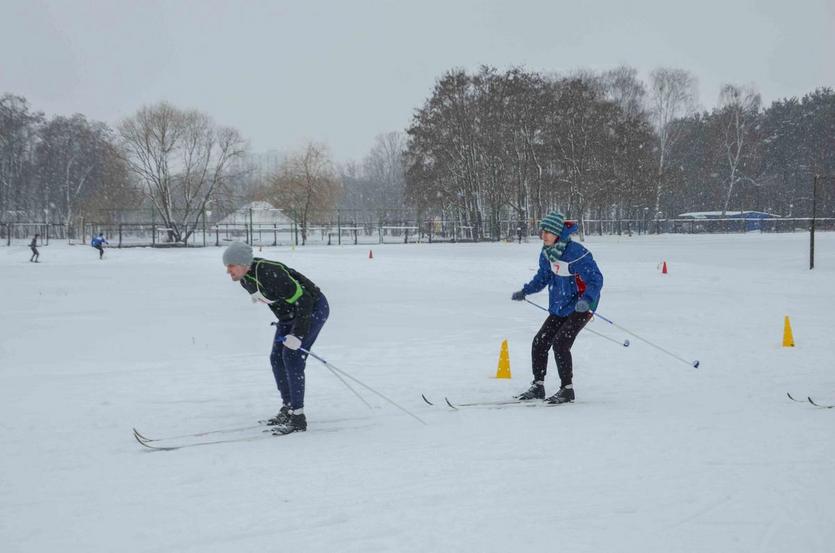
[518,296]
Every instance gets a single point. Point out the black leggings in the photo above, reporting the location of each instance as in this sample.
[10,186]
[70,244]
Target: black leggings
[559,333]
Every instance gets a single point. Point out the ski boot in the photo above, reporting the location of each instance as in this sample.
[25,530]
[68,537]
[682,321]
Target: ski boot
[536,391]
[563,395]
[282,417]
[297,423]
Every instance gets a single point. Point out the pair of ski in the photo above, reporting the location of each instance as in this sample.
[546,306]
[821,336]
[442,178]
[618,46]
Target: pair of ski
[495,404]
[208,437]
[261,431]
[812,401]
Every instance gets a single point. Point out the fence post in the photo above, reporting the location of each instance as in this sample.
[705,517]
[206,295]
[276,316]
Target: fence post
[812,224]
[120,235]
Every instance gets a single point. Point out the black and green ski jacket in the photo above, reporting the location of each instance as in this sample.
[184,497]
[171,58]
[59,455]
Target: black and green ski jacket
[289,294]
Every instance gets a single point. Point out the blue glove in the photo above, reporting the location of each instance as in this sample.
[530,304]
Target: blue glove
[518,296]
[582,306]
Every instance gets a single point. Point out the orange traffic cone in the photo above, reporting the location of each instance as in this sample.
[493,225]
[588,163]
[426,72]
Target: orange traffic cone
[664,268]
[370,254]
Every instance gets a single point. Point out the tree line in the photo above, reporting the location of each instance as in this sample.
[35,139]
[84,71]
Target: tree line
[493,145]
[485,147]
[173,166]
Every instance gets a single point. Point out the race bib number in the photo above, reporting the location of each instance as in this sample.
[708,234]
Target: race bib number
[560,268]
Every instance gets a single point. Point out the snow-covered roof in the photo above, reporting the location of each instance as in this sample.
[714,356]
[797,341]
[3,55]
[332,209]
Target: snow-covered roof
[260,213]
[734,214]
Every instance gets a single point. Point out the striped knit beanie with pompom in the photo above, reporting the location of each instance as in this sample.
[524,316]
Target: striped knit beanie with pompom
[553,223]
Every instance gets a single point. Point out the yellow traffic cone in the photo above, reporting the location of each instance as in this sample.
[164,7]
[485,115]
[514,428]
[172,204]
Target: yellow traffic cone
[788,339]
[504,362]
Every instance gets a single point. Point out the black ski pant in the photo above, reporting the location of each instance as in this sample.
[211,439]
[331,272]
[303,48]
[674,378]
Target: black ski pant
[557,333]
[35,254]
[101,250]
[288,365]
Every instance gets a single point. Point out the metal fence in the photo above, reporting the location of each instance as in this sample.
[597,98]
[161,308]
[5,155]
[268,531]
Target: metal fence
[125,235]
[725,225]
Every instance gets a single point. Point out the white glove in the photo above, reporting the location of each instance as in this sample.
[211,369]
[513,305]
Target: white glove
[292,342]
[257,296]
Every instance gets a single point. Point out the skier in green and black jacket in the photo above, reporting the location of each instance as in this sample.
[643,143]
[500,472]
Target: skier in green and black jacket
[301,309]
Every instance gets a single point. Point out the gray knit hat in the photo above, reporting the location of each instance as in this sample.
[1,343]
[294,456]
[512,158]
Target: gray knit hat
[237,253]
[553,222]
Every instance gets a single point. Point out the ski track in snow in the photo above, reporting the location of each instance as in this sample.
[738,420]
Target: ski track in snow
[655,456]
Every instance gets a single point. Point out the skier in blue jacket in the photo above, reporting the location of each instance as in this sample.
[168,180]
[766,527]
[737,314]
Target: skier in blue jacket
[574,283]
[98,242]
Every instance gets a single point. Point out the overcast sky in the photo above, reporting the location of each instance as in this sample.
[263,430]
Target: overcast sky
[343,71]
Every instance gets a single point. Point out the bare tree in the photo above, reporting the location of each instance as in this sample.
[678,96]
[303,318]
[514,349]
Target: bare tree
[622,86]
[75,164]
[373,190]
[306,186]
[18,137]
[632,160]
[183,158]
[737,116]
[672,96]
[384,168]
[582,135]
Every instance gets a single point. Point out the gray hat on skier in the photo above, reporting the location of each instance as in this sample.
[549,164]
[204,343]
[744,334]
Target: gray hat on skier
[237,253]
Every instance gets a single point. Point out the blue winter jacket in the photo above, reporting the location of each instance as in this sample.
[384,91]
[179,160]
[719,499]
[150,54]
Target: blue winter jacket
[97,241]
[575,275]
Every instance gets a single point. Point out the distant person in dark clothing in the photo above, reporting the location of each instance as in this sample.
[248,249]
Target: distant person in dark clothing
[98,243]
[34,246]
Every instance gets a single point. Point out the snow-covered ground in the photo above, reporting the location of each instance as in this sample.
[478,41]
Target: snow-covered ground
[655,456]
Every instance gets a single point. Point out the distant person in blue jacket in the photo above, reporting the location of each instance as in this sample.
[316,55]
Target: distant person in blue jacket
[574,283]
[98,243]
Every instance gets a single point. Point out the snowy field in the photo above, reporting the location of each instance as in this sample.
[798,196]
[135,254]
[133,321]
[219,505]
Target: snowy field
[655,456]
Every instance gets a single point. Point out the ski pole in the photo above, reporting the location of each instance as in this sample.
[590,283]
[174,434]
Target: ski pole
[362,399]
[625,343]
[694,364]
[337,371]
